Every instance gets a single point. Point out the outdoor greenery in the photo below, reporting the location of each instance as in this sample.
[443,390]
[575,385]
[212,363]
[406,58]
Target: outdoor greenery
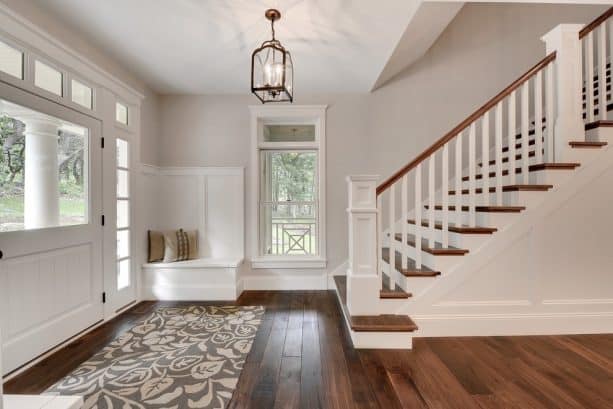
[293,225]
[71,163]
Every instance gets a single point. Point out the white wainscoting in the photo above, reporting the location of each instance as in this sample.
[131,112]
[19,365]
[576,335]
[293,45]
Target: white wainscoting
[45,298]
[211,200]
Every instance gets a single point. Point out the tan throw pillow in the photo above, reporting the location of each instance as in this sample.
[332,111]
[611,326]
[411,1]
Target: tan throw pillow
[155,247]
[180,245]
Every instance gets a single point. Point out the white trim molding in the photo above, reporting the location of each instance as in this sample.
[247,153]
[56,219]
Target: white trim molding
[286,114]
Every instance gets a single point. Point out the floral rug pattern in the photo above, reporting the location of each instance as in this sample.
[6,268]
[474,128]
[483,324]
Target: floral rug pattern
[178,357]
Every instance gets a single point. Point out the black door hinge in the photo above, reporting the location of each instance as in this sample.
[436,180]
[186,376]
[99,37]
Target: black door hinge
[102,220]
[104,298]
[102,143]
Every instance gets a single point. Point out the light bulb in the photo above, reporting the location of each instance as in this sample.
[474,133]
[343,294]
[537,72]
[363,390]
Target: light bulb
[273,74]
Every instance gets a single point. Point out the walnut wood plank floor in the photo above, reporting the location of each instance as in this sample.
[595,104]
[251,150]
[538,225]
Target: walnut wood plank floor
[302,357]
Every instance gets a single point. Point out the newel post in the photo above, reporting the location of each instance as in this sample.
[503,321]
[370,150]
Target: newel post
[363,281]
[568,84]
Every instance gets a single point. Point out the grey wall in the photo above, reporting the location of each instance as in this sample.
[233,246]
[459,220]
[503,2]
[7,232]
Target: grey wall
[485,48]
[214,131]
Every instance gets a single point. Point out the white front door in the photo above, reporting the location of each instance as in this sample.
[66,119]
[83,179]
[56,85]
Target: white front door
[51,271]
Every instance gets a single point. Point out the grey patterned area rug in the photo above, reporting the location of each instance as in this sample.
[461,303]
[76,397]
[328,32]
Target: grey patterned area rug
[179,357]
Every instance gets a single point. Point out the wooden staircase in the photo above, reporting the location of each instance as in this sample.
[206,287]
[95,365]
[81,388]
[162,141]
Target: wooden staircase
[440,208]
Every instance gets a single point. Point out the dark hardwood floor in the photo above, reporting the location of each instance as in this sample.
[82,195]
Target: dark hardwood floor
[302,358]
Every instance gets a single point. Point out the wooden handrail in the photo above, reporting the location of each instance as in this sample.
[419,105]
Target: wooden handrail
[465,123]
[598,21]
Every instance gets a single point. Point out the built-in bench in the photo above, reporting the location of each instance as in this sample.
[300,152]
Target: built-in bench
[193,280]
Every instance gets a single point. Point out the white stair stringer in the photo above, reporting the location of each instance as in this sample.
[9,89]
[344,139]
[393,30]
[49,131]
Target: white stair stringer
[441,306]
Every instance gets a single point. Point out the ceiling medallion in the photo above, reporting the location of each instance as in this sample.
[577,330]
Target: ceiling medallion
[272,70]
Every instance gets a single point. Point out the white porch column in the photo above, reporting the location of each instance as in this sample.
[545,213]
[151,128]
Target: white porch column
[363,280]
[564,39]
[42,193]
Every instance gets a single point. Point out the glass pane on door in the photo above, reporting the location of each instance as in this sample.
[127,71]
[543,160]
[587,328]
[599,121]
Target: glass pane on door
[44,170]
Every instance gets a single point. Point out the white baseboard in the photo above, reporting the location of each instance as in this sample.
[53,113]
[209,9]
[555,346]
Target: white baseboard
[190,293]
[513,324]
[285,282]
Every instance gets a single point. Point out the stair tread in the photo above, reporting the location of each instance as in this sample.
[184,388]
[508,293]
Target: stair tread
[388,292]
[509,188]
[598,124]
[438,248]
[485,209]
[587,144]
[372,323]
[531,168]
[411,270]
[462,229]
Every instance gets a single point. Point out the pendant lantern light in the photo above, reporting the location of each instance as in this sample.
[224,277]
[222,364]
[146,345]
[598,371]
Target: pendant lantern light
[272,70]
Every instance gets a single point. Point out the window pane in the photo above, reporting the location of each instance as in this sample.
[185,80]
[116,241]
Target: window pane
[123,274]
[123,243]
[11,61]
[54,192]
[122,183]
[81,94]
[123,214]
[122,153]
[289,133]
[288,212]
[47,78]
[121,113]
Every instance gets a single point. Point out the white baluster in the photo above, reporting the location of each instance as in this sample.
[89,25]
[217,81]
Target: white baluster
[445,193]
[380,240]
[525,127]
[472,183]
[589,77]
[549,145]
[485,156]
[602,76]
[458,179]
[405,224]
[418,206]
[392,228]
[499,154]
[610,22]
[512,140]
[538,116]
[431,180]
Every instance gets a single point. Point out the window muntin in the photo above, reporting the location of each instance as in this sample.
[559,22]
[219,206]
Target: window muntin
[121,113]
[43,173]
[48,78]
[11,60]
[81,94]
[123,214]
[289,203]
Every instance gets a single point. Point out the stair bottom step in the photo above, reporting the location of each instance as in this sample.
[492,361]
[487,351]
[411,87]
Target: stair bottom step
[372,323]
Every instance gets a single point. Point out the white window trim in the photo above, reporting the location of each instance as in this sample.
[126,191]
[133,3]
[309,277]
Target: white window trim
[285,114]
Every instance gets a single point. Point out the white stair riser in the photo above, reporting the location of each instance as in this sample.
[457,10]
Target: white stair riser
[439,263]
[414,285]
[463,241]
[520,198]
[541,177]
[484,219]
[601,134]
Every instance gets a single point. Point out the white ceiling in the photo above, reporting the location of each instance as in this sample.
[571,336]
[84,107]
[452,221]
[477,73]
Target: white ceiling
[204,46]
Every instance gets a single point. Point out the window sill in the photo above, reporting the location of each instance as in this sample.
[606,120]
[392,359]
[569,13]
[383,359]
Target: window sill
[277,262]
